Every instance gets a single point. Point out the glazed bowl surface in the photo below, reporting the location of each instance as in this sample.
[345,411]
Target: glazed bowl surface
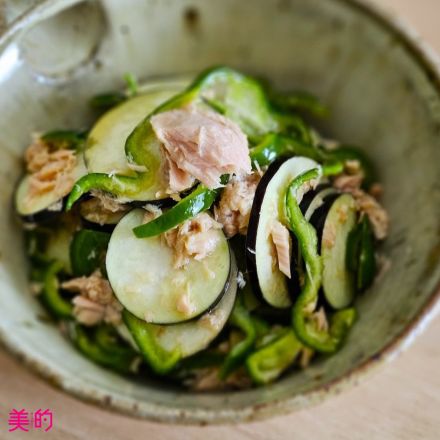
[383,88]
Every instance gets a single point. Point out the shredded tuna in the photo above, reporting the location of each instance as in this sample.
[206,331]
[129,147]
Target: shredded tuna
[95,301]
[183,303]
[207,379]
[212,320]
[365,203]
[328,144]
[235,204]
[195,238]
[49,170]
[108,202]
[352,167]
[283,245]
[178,179]
[343,213]
[152,212]
[376,213]
[348,182]
[36,155]
[203,144]
[376,190]
[102,209]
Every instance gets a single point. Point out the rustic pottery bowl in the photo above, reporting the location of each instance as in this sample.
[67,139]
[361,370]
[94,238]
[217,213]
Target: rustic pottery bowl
[382,85]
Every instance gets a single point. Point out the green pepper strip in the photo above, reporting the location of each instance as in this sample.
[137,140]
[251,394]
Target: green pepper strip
[108,356]
[274,146]
[294,125]
[50,294]
[332,168]
[202,359]
[269,362]
[64,139]
[304,326]
[198,201]
[120,185]
[108,339]
[160,360]
[240,318]
[87,250]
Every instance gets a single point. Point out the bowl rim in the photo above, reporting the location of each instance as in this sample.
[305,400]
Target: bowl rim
[429,62]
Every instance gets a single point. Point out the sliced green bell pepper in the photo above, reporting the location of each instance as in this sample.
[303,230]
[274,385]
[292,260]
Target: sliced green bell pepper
[123,186]
[87,250]
[65,139]
[303,323]
[160,360]
[270,361]
[112,356]
[241,98]
[242,319]
[198,201]
[109,340]
[293,125]
[274,146]
[360,257]
[332,168]
[50,295]
[35,241]
[203,359]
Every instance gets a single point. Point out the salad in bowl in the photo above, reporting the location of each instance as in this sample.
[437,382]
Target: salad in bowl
[203,233]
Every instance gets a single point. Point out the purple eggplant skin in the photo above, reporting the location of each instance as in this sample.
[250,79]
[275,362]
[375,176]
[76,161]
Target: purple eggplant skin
[43,216]
[310,195]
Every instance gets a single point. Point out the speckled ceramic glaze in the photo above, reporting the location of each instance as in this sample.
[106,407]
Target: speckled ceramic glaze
[384,91]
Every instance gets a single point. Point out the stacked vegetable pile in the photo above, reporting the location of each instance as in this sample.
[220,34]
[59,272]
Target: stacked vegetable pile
[160,251]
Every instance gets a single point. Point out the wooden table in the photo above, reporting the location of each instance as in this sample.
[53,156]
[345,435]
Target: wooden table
[400,402]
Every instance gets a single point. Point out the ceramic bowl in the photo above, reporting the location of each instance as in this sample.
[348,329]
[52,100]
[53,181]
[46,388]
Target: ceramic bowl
[382,86]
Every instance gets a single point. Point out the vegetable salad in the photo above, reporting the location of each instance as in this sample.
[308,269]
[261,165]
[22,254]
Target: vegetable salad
[207,234]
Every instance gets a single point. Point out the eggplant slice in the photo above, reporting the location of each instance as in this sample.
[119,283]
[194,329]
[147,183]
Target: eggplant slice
[191,337]
[267,280]
[337,280]
[45,206]
[144,279]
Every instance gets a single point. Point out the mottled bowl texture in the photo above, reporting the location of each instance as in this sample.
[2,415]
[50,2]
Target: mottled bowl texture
[384,91]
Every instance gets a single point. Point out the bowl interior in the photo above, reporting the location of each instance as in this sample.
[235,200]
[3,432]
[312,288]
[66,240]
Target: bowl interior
[382,96]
